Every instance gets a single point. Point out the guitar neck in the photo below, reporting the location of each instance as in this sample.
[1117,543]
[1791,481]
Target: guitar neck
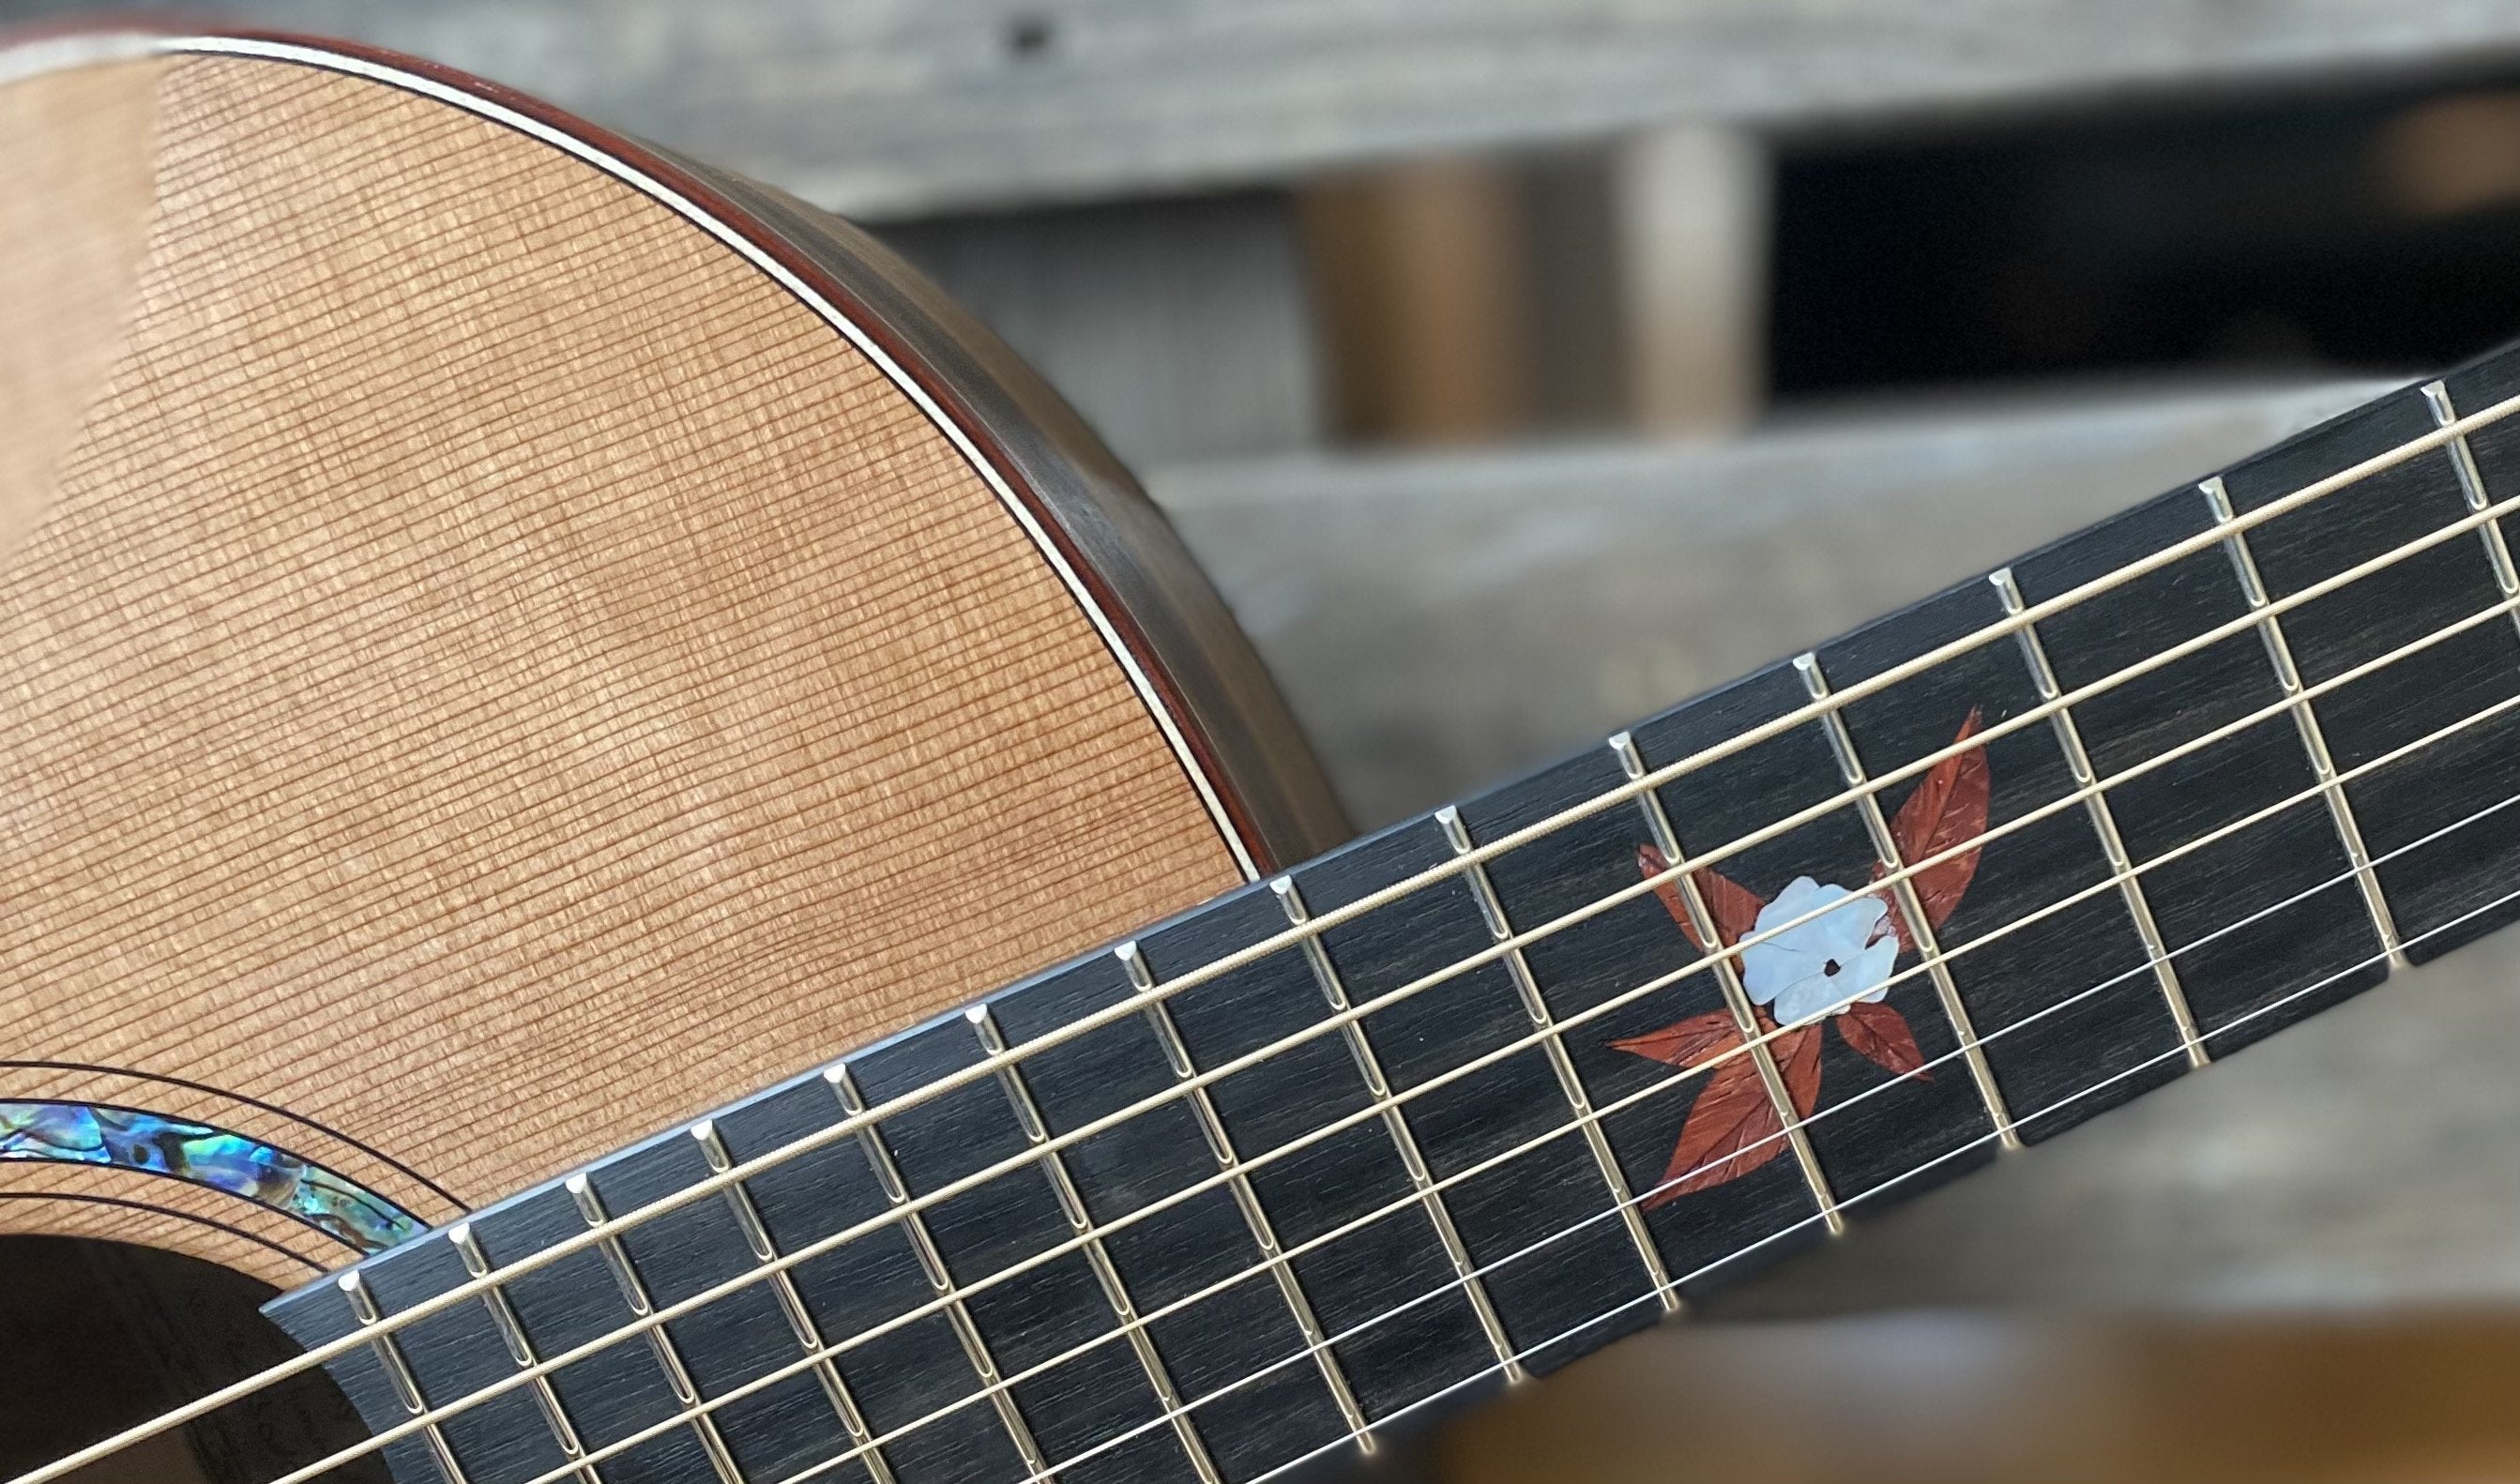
[1977,870]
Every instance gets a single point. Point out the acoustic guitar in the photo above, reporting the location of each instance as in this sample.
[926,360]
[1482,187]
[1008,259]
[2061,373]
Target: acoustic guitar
[515,646]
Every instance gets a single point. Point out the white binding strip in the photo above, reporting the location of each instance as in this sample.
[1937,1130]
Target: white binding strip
[751,252]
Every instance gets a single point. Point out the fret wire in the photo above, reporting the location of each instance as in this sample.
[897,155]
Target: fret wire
[1573,1228]
[2305,716]
[791,1303]
[521,1349]
[1728,979]
[2471,488]
[1492,912]
[1652,1089]
[363,1308]
[1255,1216]
[932,1261]
[669,1356]
[2105,823]
[1911,911]
[1361,1049]
[1635,992]
[2316,489]
[1880,1189]
[1080,1224]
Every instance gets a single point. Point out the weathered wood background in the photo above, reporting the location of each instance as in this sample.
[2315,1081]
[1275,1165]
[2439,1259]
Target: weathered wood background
[1133,192]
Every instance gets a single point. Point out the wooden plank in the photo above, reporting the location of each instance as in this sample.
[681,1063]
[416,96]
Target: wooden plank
[1179,328]
[1441,620]
[904,110]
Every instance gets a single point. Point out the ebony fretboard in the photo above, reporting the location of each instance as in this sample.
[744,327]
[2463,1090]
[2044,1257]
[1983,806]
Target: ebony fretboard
[1548,1250]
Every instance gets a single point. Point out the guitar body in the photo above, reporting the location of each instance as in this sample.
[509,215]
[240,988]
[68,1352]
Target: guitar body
[505,638]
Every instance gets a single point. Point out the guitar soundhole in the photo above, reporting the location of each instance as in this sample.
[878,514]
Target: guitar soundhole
[96,1336]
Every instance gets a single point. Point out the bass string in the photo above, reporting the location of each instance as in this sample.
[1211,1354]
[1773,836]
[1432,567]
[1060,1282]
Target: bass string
[2441,437]
[833,1349]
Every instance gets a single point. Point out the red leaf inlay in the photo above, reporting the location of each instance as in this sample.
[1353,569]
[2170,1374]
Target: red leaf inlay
[1797,1053]
[1734,905]
[1733,1129]
[1685,1043]
[1948,808]
[1880,1034]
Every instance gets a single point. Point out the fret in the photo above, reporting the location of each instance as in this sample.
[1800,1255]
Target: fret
[1500,927]
[494,1301]
[915,1224]
[452,1354]
[1342,1173]
[1643,1107]
[792,1305]
[894,1376]
[1081,1223]
[2060,997]
[1369,1066]
[1727,976]
[1505,1190]
[2284,879]
[2417,692]
[1515,1171]
[2077,761]
[634,1293]
[2305,717]
[1217,1315]
[1920,930]
[1033,1290]
[2471,488]
[1246,1201]
[1397,1125]
[389,1356]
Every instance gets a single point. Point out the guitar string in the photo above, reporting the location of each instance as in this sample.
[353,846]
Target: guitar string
[2176,1052]
[833,1349]
[2440,438]
[1494,1368]
[1614,1211]
[1482,1166]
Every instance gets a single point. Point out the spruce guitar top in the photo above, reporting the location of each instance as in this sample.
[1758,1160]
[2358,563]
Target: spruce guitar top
[516,645]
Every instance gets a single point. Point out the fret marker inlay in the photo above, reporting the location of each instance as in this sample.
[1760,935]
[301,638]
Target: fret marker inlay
[1737,996]
[1920,930]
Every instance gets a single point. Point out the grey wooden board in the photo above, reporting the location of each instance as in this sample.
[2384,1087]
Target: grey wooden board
[897,108]
[1179,328]
[1440,620]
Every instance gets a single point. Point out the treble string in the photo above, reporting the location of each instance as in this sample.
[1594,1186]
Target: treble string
[1330,918]
[1146,1212]
[1616,1210]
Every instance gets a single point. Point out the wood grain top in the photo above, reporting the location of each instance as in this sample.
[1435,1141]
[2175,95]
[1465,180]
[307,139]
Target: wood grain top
[497,674]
